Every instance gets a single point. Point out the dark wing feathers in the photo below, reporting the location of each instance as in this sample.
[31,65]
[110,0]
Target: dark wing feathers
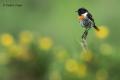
[91,18]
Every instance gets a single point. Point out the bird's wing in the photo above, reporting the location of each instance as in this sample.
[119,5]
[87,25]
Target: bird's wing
[90,17]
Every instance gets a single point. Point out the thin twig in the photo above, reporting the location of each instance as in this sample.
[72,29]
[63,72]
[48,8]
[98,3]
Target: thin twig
[84,45]
[84,42]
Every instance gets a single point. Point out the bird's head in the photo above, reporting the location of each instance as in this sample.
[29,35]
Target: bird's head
[81,11]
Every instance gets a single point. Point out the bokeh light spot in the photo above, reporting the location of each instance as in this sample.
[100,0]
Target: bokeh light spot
[55,75]
[7,40]
[86,56]
[45,43]
[106,49]
[72,66]
[103,33]
[25,37]
[82,72]
[101,74]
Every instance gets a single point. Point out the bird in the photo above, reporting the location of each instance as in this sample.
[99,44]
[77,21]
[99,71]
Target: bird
[86,21]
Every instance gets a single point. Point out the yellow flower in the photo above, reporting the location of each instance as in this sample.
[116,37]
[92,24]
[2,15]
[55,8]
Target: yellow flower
[106,49]
[7,40]
[55,75]
[101,75]
[86,56]
[23,55]
[19,52]
[45,43]
[26,37]
[103,33]
[61,55]
[82,72]
[72,66]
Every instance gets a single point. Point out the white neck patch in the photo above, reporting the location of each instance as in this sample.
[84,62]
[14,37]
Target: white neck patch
[85,14]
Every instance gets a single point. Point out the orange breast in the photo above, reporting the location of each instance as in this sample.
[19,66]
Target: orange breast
[81,17]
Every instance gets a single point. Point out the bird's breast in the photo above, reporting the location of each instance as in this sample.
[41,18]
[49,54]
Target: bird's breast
[81,17]
[85,23]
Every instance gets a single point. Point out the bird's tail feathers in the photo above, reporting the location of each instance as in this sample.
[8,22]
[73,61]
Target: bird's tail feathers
[96,28]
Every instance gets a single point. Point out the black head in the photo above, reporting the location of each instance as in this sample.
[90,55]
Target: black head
[82,11]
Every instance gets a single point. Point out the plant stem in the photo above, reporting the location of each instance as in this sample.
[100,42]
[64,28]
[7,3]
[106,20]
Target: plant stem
[84,45]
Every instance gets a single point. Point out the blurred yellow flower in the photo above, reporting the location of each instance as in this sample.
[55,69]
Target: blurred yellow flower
[23,55]
[3,58]
[106,49]
[55,75]
[103,33]
[19,52]
[72,66]
[101,75]
[61,55]
[7,40]
[25,37]
[82,72]
[45,43]
[86,56]
[13,50]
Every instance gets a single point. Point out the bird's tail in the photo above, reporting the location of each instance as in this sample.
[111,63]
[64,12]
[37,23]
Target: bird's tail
[96,28]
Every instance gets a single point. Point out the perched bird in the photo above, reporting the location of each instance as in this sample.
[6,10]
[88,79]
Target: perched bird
[86,21]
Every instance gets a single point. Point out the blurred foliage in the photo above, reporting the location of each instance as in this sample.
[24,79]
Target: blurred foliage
[39,40]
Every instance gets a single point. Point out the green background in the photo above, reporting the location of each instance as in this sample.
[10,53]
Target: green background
[58,20]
